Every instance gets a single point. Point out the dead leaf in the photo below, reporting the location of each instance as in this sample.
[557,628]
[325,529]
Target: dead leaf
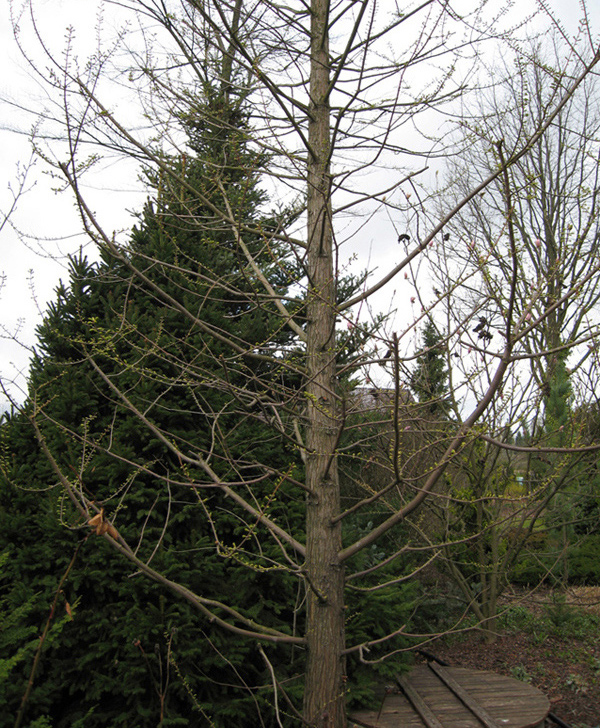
[97,520]
[102,526]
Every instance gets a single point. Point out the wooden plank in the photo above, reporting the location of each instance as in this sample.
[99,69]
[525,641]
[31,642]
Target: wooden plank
[511,703]
[418,704]
[397,712]
[357,721]
[464,696]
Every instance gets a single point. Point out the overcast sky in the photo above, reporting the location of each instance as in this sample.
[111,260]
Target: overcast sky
[46,228]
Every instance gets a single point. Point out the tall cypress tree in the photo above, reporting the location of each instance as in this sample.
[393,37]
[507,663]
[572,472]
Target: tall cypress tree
[429,381]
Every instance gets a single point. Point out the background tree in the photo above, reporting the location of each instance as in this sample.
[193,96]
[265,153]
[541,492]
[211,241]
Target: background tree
[553,212]
[542,212]
[329,118]
[429,381]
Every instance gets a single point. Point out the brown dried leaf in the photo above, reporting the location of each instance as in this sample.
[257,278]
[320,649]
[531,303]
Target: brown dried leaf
[97,519]
[102,526]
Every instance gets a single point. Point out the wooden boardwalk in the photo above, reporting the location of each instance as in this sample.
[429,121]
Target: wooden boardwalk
[456,697]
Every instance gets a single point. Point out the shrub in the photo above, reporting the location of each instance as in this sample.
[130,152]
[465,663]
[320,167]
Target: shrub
[584,561]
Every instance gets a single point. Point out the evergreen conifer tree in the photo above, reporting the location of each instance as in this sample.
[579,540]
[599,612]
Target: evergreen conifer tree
[130,656]
[429,381]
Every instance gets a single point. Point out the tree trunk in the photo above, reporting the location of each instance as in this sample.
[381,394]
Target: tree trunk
[324,685]
[491,625]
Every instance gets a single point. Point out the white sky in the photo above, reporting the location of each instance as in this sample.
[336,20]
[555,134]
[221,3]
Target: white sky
[45,227]
[31,264]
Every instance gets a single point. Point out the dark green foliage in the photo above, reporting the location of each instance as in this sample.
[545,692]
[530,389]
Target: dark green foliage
[429,381]
[543,559]
[373,614]
[557,401]
[584,561]
[134,655]
[17,637]
[110,664]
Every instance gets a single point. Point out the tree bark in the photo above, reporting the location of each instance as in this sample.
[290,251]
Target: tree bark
[324,684]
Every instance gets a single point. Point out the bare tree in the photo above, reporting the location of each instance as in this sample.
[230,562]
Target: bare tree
[16,193]
[549,199]
[553,206]
[334,98]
